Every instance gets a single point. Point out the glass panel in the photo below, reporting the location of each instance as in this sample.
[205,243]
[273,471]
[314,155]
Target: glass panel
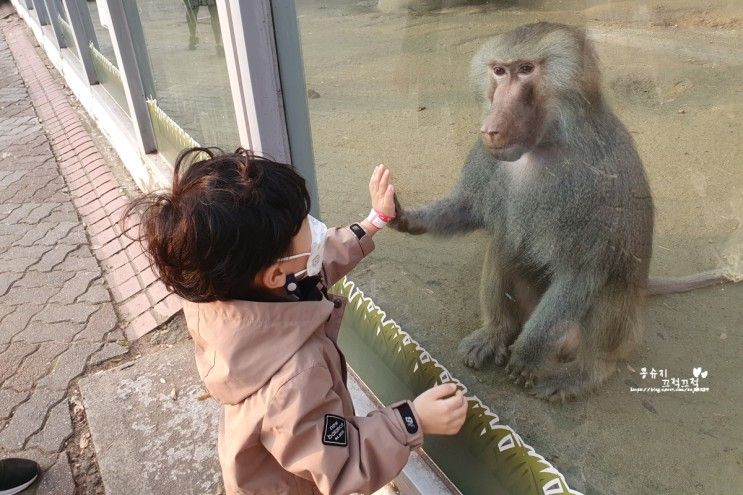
[104,58]
[187,57]
[61,9]
[389,82]
[102,35]
[69,37]
[33,12]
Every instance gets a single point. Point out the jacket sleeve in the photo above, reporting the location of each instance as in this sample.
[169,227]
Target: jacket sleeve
[343,251]
[305,430]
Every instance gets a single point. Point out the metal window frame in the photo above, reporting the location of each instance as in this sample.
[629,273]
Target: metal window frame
[264,63]
[41,13]
[51,8]
[134,70]
[261,37]
[87,22]
[75,17]
[254,80]
[294,92]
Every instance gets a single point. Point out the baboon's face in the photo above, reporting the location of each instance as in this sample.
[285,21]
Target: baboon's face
[515,119]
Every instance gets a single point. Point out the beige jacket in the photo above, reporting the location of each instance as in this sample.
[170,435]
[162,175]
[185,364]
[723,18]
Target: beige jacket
[288,424]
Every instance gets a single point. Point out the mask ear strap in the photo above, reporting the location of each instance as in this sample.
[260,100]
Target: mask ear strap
[289,258]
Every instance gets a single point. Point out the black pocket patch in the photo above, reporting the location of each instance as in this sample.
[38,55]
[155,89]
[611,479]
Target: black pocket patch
[334,432]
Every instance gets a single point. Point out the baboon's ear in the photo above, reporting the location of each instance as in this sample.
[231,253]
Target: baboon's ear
[591,70]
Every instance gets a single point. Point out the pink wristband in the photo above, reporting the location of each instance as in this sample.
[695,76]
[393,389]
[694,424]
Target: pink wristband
[379,221]
[385,218]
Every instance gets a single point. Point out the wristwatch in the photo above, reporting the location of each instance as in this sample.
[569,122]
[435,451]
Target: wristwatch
[358,230]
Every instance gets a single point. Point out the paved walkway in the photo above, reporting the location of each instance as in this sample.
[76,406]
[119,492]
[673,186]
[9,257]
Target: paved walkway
[142,301]
[56,315]
[73,288]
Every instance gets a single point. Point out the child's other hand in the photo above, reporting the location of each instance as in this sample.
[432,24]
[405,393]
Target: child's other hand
[382,192]
[441,409]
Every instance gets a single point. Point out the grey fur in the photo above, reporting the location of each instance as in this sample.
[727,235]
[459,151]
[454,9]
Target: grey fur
[571,226]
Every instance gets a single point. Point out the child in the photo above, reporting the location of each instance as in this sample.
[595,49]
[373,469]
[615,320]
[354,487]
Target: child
[234,238]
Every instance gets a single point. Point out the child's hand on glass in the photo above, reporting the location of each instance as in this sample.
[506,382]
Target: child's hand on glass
[382,192]
[441,409]
[383,200]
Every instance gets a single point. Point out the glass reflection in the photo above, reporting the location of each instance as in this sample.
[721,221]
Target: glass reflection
[102,35]
[388,82]
[104,58]
[67,32]
[187,58]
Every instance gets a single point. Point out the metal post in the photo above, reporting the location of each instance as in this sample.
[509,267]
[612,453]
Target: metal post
[130,70]
[53,10]
[140,49]
[270,103]
[294,91]
[29,4]
[250,53]
[41,12]
[87,23]
[81,39]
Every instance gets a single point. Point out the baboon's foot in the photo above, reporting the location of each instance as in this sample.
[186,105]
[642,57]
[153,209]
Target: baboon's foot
[522,367]
[568,381]
[482,345]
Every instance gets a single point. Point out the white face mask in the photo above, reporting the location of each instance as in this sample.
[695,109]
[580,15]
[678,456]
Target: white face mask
[318,231]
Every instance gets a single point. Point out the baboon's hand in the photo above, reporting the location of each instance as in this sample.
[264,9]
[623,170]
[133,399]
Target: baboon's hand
[405,222]
[400,222]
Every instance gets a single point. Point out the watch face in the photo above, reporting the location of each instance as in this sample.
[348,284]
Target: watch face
[358,230]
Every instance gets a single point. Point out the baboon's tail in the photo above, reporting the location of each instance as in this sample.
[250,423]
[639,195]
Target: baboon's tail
[673,285]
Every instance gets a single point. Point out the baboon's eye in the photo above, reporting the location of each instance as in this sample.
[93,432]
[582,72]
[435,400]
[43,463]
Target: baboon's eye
[499,71]
[526,69]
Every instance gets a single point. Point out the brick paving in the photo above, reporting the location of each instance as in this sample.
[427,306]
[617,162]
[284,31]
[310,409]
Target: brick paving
[56,315]
[60,311]
[141,300]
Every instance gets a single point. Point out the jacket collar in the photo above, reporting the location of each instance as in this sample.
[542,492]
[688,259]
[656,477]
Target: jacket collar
[240,345]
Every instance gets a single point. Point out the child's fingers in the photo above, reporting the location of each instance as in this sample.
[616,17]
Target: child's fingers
[389,196]
[441,391]
[384,180]
[458,413]
[454,402]
[462,410]
[460,416]
[374,181]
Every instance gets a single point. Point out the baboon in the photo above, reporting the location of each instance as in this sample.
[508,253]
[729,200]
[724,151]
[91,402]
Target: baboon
[557,182]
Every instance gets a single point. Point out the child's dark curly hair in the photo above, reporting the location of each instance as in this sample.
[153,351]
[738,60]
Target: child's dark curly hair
[226,217]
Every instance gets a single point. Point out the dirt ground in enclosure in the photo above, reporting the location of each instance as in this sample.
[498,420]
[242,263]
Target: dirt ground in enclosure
[392,88]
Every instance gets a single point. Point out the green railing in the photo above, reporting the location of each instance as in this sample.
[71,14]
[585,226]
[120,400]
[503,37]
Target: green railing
[110,77]
[69,36]
[171,138]
[487,457]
